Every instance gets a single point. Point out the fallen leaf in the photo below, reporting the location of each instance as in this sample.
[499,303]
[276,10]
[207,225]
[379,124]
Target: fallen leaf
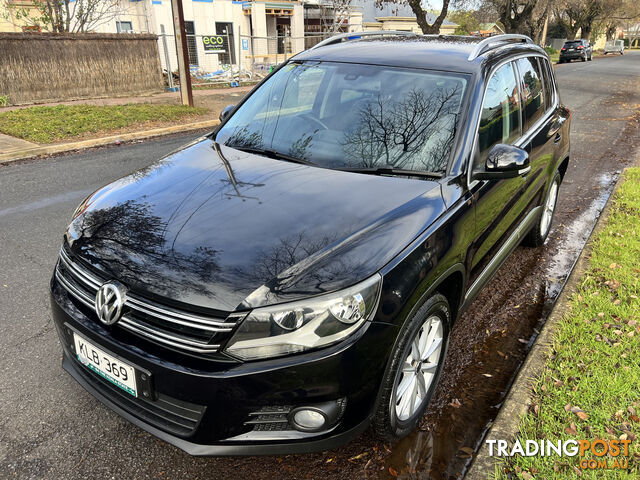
[488,375]
[393,472]
[467,450]
[526,476]
[536,409]
[567,407]
[363,454]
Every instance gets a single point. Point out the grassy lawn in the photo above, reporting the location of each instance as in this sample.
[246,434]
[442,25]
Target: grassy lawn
[590,389]
[51,124]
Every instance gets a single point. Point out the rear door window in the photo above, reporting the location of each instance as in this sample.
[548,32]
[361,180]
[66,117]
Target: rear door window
[533,104]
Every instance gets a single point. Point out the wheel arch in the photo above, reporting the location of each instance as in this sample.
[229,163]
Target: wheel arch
[563,166]
[450,284]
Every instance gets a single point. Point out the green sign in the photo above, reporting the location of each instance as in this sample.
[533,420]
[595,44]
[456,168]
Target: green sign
[215,44]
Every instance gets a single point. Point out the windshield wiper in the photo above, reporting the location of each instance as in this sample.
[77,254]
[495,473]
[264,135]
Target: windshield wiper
[393,171]
[271,154]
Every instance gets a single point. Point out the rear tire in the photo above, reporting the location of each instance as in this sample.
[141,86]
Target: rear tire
[409,382]
[540,231]
[583,59]
[590,57]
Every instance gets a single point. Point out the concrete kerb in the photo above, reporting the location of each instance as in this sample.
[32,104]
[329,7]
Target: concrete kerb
[519,398]
[98,142]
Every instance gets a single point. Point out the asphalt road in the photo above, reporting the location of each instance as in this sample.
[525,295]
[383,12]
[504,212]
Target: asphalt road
[51,428]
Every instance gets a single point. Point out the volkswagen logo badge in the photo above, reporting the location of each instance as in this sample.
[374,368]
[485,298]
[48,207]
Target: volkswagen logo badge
[109,302]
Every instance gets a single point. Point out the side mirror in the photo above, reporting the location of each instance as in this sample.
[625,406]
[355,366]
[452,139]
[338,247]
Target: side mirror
[504,161]
[225,112]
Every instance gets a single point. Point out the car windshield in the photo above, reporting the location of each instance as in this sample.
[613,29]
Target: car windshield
[350,116]
[572,44]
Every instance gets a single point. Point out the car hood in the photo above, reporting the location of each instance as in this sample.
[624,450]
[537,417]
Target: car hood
[217,228]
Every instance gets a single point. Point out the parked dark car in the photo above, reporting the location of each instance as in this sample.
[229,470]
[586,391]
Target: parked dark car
[292,278]
[576,49]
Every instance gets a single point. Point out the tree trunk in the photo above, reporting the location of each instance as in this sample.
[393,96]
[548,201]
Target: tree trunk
[421,17]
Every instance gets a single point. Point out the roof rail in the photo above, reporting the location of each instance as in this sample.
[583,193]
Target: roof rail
[356,35]
[498,40]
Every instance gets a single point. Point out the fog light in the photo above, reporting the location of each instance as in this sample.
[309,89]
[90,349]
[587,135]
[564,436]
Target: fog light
[308,420]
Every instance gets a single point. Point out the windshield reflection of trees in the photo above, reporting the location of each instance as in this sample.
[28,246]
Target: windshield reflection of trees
[414,132]
[129,239]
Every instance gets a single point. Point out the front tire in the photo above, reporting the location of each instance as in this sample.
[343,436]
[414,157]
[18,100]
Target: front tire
[414,370]
[539,233]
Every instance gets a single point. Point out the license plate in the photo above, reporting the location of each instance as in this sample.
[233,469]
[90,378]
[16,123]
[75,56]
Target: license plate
[106,365]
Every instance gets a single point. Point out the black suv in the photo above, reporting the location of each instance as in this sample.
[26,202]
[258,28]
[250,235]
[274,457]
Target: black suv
[574,50]
[292,278]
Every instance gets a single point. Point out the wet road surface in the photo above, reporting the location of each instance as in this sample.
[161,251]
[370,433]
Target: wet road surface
[51,428]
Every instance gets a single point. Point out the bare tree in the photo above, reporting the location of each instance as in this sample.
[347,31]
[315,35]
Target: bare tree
[421,14]
[521,16]
[334,14]
[587,16]
[75,16]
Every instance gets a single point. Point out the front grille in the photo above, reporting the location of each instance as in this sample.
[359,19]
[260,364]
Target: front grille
[169,327]
[167,413]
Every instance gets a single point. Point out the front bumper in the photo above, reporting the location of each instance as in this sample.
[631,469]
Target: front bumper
[203,407]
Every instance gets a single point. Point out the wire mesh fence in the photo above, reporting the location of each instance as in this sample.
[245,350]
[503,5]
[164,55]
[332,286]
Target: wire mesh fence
[231,59]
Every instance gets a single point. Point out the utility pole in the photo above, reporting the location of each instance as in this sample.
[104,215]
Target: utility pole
[182,53]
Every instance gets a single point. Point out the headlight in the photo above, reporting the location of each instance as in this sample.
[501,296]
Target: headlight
[306,324]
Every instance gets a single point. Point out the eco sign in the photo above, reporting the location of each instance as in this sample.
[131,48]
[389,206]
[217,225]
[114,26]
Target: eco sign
[214,44]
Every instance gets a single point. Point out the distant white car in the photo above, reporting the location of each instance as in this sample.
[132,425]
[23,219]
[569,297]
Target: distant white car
[614,46]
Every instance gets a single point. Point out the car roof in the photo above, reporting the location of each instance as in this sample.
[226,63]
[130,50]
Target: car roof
[437,52]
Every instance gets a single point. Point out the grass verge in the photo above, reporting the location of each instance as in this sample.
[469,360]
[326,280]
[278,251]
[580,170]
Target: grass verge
[589,389]
[62,122]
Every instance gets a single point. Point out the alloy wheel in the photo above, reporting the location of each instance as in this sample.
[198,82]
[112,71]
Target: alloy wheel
[419,368]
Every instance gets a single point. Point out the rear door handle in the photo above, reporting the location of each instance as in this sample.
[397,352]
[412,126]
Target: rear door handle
[557,138]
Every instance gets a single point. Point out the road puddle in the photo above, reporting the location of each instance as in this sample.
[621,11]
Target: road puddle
[444,447]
